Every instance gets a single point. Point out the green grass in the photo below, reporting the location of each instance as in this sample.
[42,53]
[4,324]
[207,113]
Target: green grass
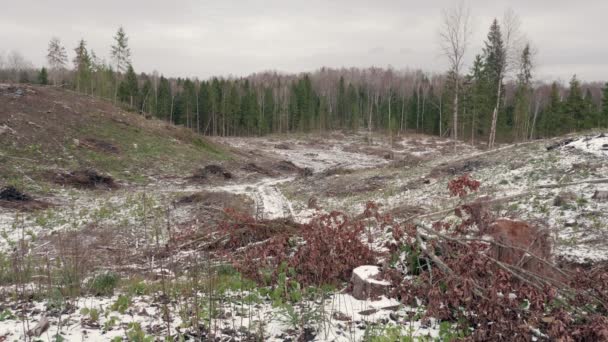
[143,151]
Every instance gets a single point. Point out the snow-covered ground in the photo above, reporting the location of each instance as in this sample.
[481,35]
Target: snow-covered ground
[520,173]
[340,318]
[596,144]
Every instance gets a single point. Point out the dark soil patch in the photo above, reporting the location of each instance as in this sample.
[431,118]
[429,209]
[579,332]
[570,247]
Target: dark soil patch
[456,168]
[289,167]
[85,179]
[100,145]
[252,167]
[336,171]
[353,187]
[409,160]
[560,143]
[218,200]
[12,198]
[10,193]
[212,170]
[282,147]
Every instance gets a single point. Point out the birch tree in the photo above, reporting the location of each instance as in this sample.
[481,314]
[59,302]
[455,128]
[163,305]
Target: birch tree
[454,37]
[56,57]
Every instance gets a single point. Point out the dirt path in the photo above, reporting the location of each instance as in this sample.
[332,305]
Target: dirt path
[270,202]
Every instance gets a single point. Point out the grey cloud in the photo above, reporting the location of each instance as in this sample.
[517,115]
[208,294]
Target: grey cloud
[204,38]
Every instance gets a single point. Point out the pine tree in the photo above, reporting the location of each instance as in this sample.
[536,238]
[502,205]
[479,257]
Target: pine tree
[341,103]
[478,100]
[129,90]
[521,119]
[604,111]
[591,112]
[494,68]
[43,77]
[553,121]
[82,66]
[121,53]
[575,111]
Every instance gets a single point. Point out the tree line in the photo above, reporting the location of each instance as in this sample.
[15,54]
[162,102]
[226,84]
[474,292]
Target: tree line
[472,105]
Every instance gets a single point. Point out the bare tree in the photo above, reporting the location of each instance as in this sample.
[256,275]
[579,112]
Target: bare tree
[56,57]
[454,36]
[16,64]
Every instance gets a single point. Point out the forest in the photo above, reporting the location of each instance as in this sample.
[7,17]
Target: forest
[375,99]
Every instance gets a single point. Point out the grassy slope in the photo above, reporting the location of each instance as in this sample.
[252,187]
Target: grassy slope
[49,129]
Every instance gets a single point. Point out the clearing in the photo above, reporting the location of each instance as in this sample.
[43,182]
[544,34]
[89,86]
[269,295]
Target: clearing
[114,226]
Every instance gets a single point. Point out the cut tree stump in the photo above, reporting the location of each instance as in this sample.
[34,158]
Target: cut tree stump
[365,284]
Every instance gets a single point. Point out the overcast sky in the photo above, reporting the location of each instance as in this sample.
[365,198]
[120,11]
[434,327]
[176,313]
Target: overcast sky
[202,38]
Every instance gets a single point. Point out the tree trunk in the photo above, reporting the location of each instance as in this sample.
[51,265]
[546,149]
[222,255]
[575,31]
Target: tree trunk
[402,112]
[198,125]
[495,115]
[171,114]
[536,109]
[455,118]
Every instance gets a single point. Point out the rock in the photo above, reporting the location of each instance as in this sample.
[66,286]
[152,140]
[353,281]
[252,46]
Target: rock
[282,147]
[365,284]
[600,196]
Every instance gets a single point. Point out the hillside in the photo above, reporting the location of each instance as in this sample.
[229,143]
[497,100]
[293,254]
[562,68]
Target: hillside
[48,129]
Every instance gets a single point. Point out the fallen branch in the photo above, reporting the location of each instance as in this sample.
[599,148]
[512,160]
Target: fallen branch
[587,181]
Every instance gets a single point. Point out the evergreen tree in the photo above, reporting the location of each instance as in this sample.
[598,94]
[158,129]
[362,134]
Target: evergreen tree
[575,117]
[552,120]
[494,68]
[82,66]
[521,118]
[43,77]
[341,103]
[129,90]
[205,107]
[268,111]
[604,112]
[121,53]
[480,100]
[352,108]
[591,113]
